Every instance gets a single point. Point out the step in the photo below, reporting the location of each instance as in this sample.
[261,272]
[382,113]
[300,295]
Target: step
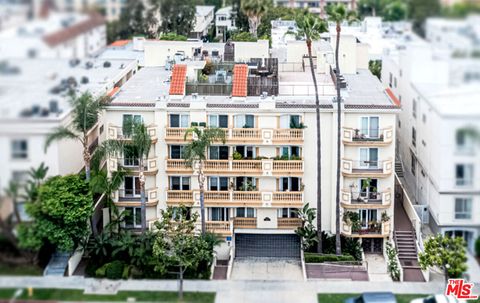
[411,267]
[407,256]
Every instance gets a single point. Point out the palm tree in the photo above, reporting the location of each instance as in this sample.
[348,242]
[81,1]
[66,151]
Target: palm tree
[85,113]
[255,10]
[311,27]
[195,153]
[37,176]
[12,191]
[138,147]
[338,14]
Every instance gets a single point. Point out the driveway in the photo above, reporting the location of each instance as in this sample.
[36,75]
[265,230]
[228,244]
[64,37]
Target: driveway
[267,269]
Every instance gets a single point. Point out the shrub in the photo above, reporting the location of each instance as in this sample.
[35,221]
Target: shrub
[392,264]
[477,247]
[114,270]
[237,155]
[352,247]
[173,37]
[100,272]
[244,37]
[319,258]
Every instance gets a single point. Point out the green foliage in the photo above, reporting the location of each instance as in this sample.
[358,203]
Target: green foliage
[310,27]
[477,247]
[114,270]
[255,10]
[350,246]
[178,16]
[308,232]
[461,9]
[395,11]
[390,10]
[172,37]
[375,67]
[209,68]
[135,20]
[101,271]
[196,149]
[445,252]
[275,13]
[237,155]
[243,37]
[319,258]
[392,264]
[60,214]
[420,10]
[352,218]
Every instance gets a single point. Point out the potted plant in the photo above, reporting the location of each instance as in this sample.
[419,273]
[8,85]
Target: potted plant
[237,155]
[385,217]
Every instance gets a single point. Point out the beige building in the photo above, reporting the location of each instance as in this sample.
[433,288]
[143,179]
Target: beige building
[267,167]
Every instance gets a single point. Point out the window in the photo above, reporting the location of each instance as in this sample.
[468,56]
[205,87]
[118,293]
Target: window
[288,213]
[390,80]
[464,174]
[19,149]
[176,151]
[464,141]
[220,121]
[244,121]
[218,183]
[290,151]
[290,121]
[424,118]
[368,158]
[247,152]
[395,82]
[20,177]
[399,124]
[179,183]
[368,189]
[245,183]
[219,214]
[463,208]
[133,217]
[129,156]
[370,127]
[129,122]
[413,163]
[132,186]
[245,212]
[414,137]
[414,108]
[218,153]
[179,120]
[289,184]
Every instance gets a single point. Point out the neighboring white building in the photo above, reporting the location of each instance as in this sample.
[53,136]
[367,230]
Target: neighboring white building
[315,6]
[60,35]
[12,14]
[204,16]
[441,164]
[224,22]
[267,168]
[33,102]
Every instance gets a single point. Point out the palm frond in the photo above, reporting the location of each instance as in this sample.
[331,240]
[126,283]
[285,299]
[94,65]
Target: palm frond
[60,133]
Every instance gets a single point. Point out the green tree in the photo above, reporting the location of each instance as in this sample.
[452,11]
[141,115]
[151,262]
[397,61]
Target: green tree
[137,147]
[370,7]
[445,252]
[178,16]
[176,244]
[135,20]
[461,9]
[275,13]
[420,10]
[60,214]
[195,153]
[310,27]
[395,11]
[172,37]
[375,67]
[85,113]
[338,14]
[36,178]
[244,37]
[255,10]
[307,233]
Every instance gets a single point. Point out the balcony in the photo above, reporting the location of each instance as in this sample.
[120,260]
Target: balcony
[380,230]
[245,135]
[117,133]
[266,167]
[383,136]
[289,223]
[131,197]
[150,166]
[219,227]
[355,199]
[236,198]
[244,223]
[352,168]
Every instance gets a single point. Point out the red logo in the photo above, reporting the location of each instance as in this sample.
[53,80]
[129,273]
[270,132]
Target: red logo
[460,289]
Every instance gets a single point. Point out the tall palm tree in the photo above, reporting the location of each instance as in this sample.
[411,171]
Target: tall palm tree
[311,27]
[138,146]
[338,14]
[37,176]
[12,191]
[195,153]
[85,113]
[255,10]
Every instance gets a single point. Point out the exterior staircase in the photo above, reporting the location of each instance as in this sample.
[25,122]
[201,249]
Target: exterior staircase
[399,168]
[220,270]
[407,254]
[57,265]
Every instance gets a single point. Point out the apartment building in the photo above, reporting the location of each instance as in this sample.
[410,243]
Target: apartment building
[224,22]
[34,101]
[204,18]
[458,35]
[266,169]
[315,6]
[56,36]
[439,94]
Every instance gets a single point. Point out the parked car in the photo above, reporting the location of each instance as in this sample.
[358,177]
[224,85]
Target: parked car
[373,297]
[437,299]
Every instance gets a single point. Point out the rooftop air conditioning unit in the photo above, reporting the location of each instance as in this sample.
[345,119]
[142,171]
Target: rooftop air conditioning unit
[264,95]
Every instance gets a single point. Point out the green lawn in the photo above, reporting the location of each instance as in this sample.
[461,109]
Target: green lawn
[20,270]
[77,295]
[339,298]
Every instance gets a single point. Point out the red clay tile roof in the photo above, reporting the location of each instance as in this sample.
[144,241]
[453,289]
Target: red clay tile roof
[71,32]
[119,43]
[177,84]
[393,97]
[113,92]
[240,74]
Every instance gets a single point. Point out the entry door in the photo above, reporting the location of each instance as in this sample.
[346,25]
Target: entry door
[369,157]
[366,216]
[132,186]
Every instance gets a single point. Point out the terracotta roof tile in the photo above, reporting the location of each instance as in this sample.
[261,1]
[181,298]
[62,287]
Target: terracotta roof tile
[393,97]
[71,32]
[177,84]
[119,43]
[240,74]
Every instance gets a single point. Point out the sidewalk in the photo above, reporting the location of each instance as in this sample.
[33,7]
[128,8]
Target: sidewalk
[231,291]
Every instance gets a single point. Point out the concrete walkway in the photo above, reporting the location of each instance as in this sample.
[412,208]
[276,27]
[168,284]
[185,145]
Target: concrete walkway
[231,291]
[377,268]
[266,269]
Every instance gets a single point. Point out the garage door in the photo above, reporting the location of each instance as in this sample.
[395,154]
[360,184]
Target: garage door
[267,246]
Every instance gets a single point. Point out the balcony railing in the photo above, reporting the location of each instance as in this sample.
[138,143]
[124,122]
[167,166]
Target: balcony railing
[118,133]
[361,199]
[368,136]
[150,165]
[379,229]
[126,195]
[289,223]
[218,227]
[245,135]
[364,167]
[244,223]
[180,196]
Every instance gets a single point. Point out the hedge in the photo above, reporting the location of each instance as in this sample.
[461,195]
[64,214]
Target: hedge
[320,258]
